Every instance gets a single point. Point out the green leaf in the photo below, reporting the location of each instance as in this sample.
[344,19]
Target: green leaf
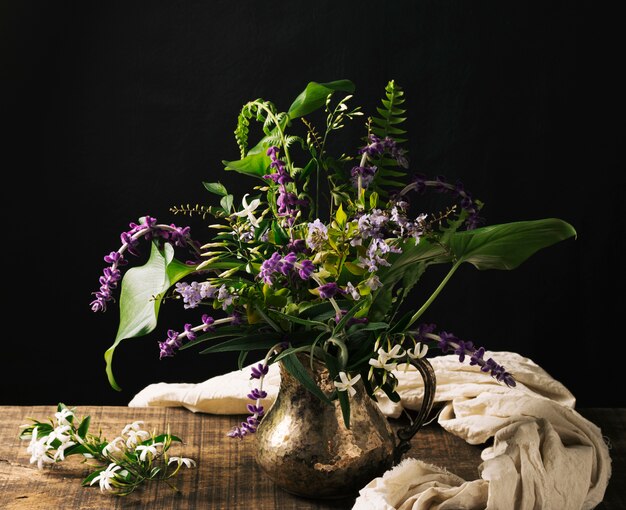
[256,165]
[216,187]
[140,297]
[405,263]
[507,245]
[341,324]
[298,320]
[84,427]
[343,397]
[260,341]
[293,365]
[90,477]
[314,96]
[341,216]
[227,203]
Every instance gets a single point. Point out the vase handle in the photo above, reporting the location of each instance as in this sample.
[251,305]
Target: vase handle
[430,385]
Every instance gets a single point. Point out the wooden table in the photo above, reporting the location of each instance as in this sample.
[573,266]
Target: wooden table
[227,476]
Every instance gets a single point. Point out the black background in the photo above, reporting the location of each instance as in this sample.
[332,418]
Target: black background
[114,110]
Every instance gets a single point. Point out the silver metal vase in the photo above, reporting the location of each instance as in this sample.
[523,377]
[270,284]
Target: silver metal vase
[303,445]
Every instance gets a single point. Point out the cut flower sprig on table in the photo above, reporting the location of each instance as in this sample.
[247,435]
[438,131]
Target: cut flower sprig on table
[320,254]
[120,466]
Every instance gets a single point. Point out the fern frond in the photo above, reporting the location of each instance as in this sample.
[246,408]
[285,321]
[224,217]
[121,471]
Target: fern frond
[390,114]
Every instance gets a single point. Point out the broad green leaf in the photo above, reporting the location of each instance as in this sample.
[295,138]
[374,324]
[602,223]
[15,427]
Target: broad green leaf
[314,96]
[507,245]
[256,165]
[216,187]
[293,365]
[140,297]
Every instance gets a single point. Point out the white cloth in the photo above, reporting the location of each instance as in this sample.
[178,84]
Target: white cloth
[544,454]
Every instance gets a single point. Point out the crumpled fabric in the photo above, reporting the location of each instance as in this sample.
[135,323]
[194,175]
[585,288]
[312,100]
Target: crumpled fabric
[545,455]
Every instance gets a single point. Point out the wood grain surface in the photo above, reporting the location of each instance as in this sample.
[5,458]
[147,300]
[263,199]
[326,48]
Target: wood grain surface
[227,476]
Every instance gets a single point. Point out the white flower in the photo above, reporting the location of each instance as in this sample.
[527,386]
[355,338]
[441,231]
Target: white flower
[248,209]
[383,358]
[38,449]
[60,453]
[147,449]
[418,352]
[63,415]
[136,425]
[225,297]
[373,282]
[347,383]
[59,433]
[106,476]
[113,447]
[353,291]
[318,233]
[182,460]
[134,433]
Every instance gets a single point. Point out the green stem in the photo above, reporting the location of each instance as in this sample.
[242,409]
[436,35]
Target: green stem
[434,295]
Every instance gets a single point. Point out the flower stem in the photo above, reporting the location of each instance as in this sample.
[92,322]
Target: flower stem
[434,295]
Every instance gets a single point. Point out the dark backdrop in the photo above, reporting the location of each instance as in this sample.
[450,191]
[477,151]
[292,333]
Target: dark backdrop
[119,109]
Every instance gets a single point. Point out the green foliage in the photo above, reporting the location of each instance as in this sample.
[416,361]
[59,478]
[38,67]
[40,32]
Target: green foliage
[142,292]
[389,174]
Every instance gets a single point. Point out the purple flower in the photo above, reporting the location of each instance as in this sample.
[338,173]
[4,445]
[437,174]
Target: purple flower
[296,245]
[130,241]
[169,346]
[445,340]
[288,263]
[191,335]
[269,267]
[328,290]
[254,409]
[259,371]
[237,318]
[365,173]
[423,330]
[207,320]
[257,394]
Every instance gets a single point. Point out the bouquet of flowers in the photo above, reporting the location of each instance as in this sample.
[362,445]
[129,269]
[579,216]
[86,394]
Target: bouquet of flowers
[320,255]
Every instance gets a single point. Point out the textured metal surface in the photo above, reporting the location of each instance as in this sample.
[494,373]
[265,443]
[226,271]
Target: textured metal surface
[304,447]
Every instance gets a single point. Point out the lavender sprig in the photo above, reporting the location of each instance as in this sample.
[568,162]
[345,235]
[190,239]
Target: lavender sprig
[256,410]
[439,184]
[148,229]
[449,342]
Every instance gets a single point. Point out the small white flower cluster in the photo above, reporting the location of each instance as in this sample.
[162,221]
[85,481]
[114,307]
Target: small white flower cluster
[131,457]
[40,447]
[388,360]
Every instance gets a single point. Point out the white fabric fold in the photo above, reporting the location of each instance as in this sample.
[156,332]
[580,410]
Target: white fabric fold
[544,454]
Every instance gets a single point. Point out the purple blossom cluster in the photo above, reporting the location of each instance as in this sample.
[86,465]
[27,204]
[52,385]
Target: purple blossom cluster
[363,175]
[279,264]
[193,293]
[420,183]
[175,339]
[449,342]
[377,147]
[148,229]
[286,201]
[256,410]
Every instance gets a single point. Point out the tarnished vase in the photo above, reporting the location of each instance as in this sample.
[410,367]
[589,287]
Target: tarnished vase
[303,445]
